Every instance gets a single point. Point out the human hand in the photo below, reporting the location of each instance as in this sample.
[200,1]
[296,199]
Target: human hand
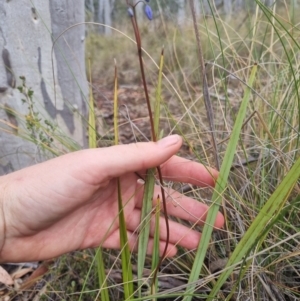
[70,202]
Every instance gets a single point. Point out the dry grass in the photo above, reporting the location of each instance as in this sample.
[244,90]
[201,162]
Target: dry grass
[269,141]
[268,147]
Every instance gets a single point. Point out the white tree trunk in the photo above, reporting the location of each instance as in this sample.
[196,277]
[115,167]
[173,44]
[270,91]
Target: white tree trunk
[181,17]
[107,16]
[104,15]
[227,6]
[25,49]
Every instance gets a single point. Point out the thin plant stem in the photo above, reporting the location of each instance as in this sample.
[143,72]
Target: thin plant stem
[153,134]
[206,95]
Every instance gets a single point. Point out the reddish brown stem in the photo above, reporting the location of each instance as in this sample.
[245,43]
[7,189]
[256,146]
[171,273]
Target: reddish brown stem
[154,138]
[139,48]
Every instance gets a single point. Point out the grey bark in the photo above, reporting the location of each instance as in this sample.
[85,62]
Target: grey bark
[90,7]
[25,50]
[181,12]
[227,6]
[104,16]
[107,14]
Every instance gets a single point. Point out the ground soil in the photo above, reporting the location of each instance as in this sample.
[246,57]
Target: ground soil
[133,119]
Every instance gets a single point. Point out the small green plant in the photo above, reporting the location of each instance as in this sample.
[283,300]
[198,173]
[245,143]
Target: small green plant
[40,134]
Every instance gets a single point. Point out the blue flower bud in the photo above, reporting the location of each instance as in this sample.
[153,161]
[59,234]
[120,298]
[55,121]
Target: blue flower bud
[130,12]
[147,1]
[148,12]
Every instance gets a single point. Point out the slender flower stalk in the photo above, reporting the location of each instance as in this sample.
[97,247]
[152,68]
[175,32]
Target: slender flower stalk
[132,14]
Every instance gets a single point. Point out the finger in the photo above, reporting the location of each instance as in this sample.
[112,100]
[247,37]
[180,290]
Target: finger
[119,160]
[182,170]
[182,207]
[178,233]
[113,242]
[189,209]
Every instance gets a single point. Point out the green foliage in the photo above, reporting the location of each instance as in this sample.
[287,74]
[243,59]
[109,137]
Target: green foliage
[256,249]
[220,188]
[125,251]
[40,134]
[257,253]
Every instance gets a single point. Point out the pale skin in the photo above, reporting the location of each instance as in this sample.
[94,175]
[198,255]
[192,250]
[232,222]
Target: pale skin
[70,202]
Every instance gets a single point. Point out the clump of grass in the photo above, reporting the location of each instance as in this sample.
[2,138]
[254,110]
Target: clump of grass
[267,148]
[257,255]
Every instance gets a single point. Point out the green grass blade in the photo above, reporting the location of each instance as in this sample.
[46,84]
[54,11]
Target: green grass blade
[257,229]
[155,254]
[279,216]
[101,275]
[145,224]
[148,192]
[158,95]
[220,187]
[92,119]
[116,125]
[93,144]
[125,251]
[290,58]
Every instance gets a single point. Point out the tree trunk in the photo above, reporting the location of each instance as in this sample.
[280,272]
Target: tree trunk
[181,17]
[25,50]
[227,7]
[104,16]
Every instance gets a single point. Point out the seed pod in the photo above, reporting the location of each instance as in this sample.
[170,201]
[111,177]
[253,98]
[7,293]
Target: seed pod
[148,12]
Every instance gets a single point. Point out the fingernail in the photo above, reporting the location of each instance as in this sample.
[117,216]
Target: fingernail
[169,140]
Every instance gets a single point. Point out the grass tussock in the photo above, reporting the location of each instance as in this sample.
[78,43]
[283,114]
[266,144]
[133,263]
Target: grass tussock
[260,198]
[268,143]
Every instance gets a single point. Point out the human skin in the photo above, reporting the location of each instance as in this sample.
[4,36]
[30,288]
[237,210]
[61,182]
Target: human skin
[70,202]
